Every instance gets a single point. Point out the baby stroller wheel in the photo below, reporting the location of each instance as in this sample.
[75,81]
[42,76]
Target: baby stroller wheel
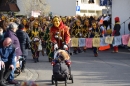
[71,76]
[17,72]
[56,83]
[50,59]
[52,80]
[66,82]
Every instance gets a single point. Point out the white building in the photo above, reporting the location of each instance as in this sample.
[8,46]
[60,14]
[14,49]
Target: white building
[121,8]
[93,9]
[65,7]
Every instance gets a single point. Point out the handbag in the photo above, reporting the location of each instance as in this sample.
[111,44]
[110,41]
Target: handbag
[40,46]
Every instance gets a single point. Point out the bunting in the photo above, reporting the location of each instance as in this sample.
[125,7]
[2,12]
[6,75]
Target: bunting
[97,42]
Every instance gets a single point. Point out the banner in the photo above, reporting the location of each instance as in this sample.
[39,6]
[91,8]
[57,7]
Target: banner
[117,41]
[82,42]
[109,39]
[128,43]
[102,42]
[89,42]
[125,39]
[74,42]
[96,42]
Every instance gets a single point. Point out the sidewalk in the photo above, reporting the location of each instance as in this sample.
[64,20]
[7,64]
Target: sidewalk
[24,76]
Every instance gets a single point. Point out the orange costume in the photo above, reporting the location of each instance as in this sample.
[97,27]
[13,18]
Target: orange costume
[63,35]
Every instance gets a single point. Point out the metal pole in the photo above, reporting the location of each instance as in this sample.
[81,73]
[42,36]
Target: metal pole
[124,28]
[77,3]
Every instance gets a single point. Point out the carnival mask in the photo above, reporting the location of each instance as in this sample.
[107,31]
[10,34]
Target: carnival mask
[87,22]
[3,17]
[35,25]
[24,22]
[43,20]
[78,23]
[56,22]
[64,20]
[94,25]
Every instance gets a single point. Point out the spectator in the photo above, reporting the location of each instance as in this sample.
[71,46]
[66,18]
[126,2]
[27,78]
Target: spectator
[24,43]
[11,33]
[7,53]
[116,32]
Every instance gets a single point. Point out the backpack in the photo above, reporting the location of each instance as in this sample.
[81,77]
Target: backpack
[60,68]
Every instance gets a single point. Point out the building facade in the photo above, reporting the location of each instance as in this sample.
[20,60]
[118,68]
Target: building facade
[90,9]
[65,7]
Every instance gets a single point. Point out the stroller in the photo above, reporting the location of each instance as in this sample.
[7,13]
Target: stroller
[59,60]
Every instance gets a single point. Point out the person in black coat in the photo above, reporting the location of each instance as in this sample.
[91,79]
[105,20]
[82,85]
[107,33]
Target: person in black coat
[116,32]
[24,43]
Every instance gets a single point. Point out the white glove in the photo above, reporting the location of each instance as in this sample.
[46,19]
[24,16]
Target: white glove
[55,46]
[65,46]
[2,64]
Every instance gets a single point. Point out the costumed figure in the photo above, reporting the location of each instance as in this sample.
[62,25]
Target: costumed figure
[59,35]
[47,41]
[86,31]
[116,32]
[64,20]
[43,26]
[3,23]
[95,33]
[35,37]
[25,23]
[76,32]
[104,33]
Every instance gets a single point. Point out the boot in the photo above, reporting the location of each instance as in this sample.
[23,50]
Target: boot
[79,50]
[1,78]
[75,51]
[116,50]
[37,59]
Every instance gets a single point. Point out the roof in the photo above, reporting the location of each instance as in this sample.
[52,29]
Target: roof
[9,7]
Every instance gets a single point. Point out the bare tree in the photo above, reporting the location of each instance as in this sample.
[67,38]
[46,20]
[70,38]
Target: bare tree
[36,5]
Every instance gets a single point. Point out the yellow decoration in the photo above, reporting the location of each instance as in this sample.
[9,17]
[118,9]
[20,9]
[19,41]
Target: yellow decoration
[96,42]
[109,39]
[109,31]
[74,42]
[128,43]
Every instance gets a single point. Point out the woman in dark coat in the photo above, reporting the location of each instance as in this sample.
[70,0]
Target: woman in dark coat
[24,43]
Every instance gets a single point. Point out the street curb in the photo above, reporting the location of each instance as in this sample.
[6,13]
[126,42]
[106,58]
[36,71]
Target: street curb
[25,76]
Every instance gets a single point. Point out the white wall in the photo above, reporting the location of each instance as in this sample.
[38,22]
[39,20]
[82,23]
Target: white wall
[121,8]
[62,7]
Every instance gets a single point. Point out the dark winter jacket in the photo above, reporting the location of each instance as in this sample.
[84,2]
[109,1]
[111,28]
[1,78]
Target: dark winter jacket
[23,39]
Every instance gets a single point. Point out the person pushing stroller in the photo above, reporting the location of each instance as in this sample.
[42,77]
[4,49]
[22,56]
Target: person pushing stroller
[59,35]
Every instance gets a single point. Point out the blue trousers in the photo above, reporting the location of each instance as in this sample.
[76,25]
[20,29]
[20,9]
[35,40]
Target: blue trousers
[95,50]
[11,76]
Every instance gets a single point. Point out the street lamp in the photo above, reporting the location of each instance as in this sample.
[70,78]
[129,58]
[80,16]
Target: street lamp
[77,3]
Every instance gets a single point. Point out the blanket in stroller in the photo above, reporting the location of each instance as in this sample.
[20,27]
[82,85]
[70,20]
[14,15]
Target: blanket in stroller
[63,53]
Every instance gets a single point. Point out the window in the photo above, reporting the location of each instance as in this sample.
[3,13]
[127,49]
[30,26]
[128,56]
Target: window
[84,1]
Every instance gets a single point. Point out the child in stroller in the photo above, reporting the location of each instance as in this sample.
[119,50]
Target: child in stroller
[61,67]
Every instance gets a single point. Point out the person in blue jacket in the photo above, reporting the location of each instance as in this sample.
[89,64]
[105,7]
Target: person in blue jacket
[7,53]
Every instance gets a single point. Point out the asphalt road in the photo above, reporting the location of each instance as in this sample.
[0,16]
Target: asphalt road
[108,69]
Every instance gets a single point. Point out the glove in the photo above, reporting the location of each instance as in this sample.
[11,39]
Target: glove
[65,47]
[55,46]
